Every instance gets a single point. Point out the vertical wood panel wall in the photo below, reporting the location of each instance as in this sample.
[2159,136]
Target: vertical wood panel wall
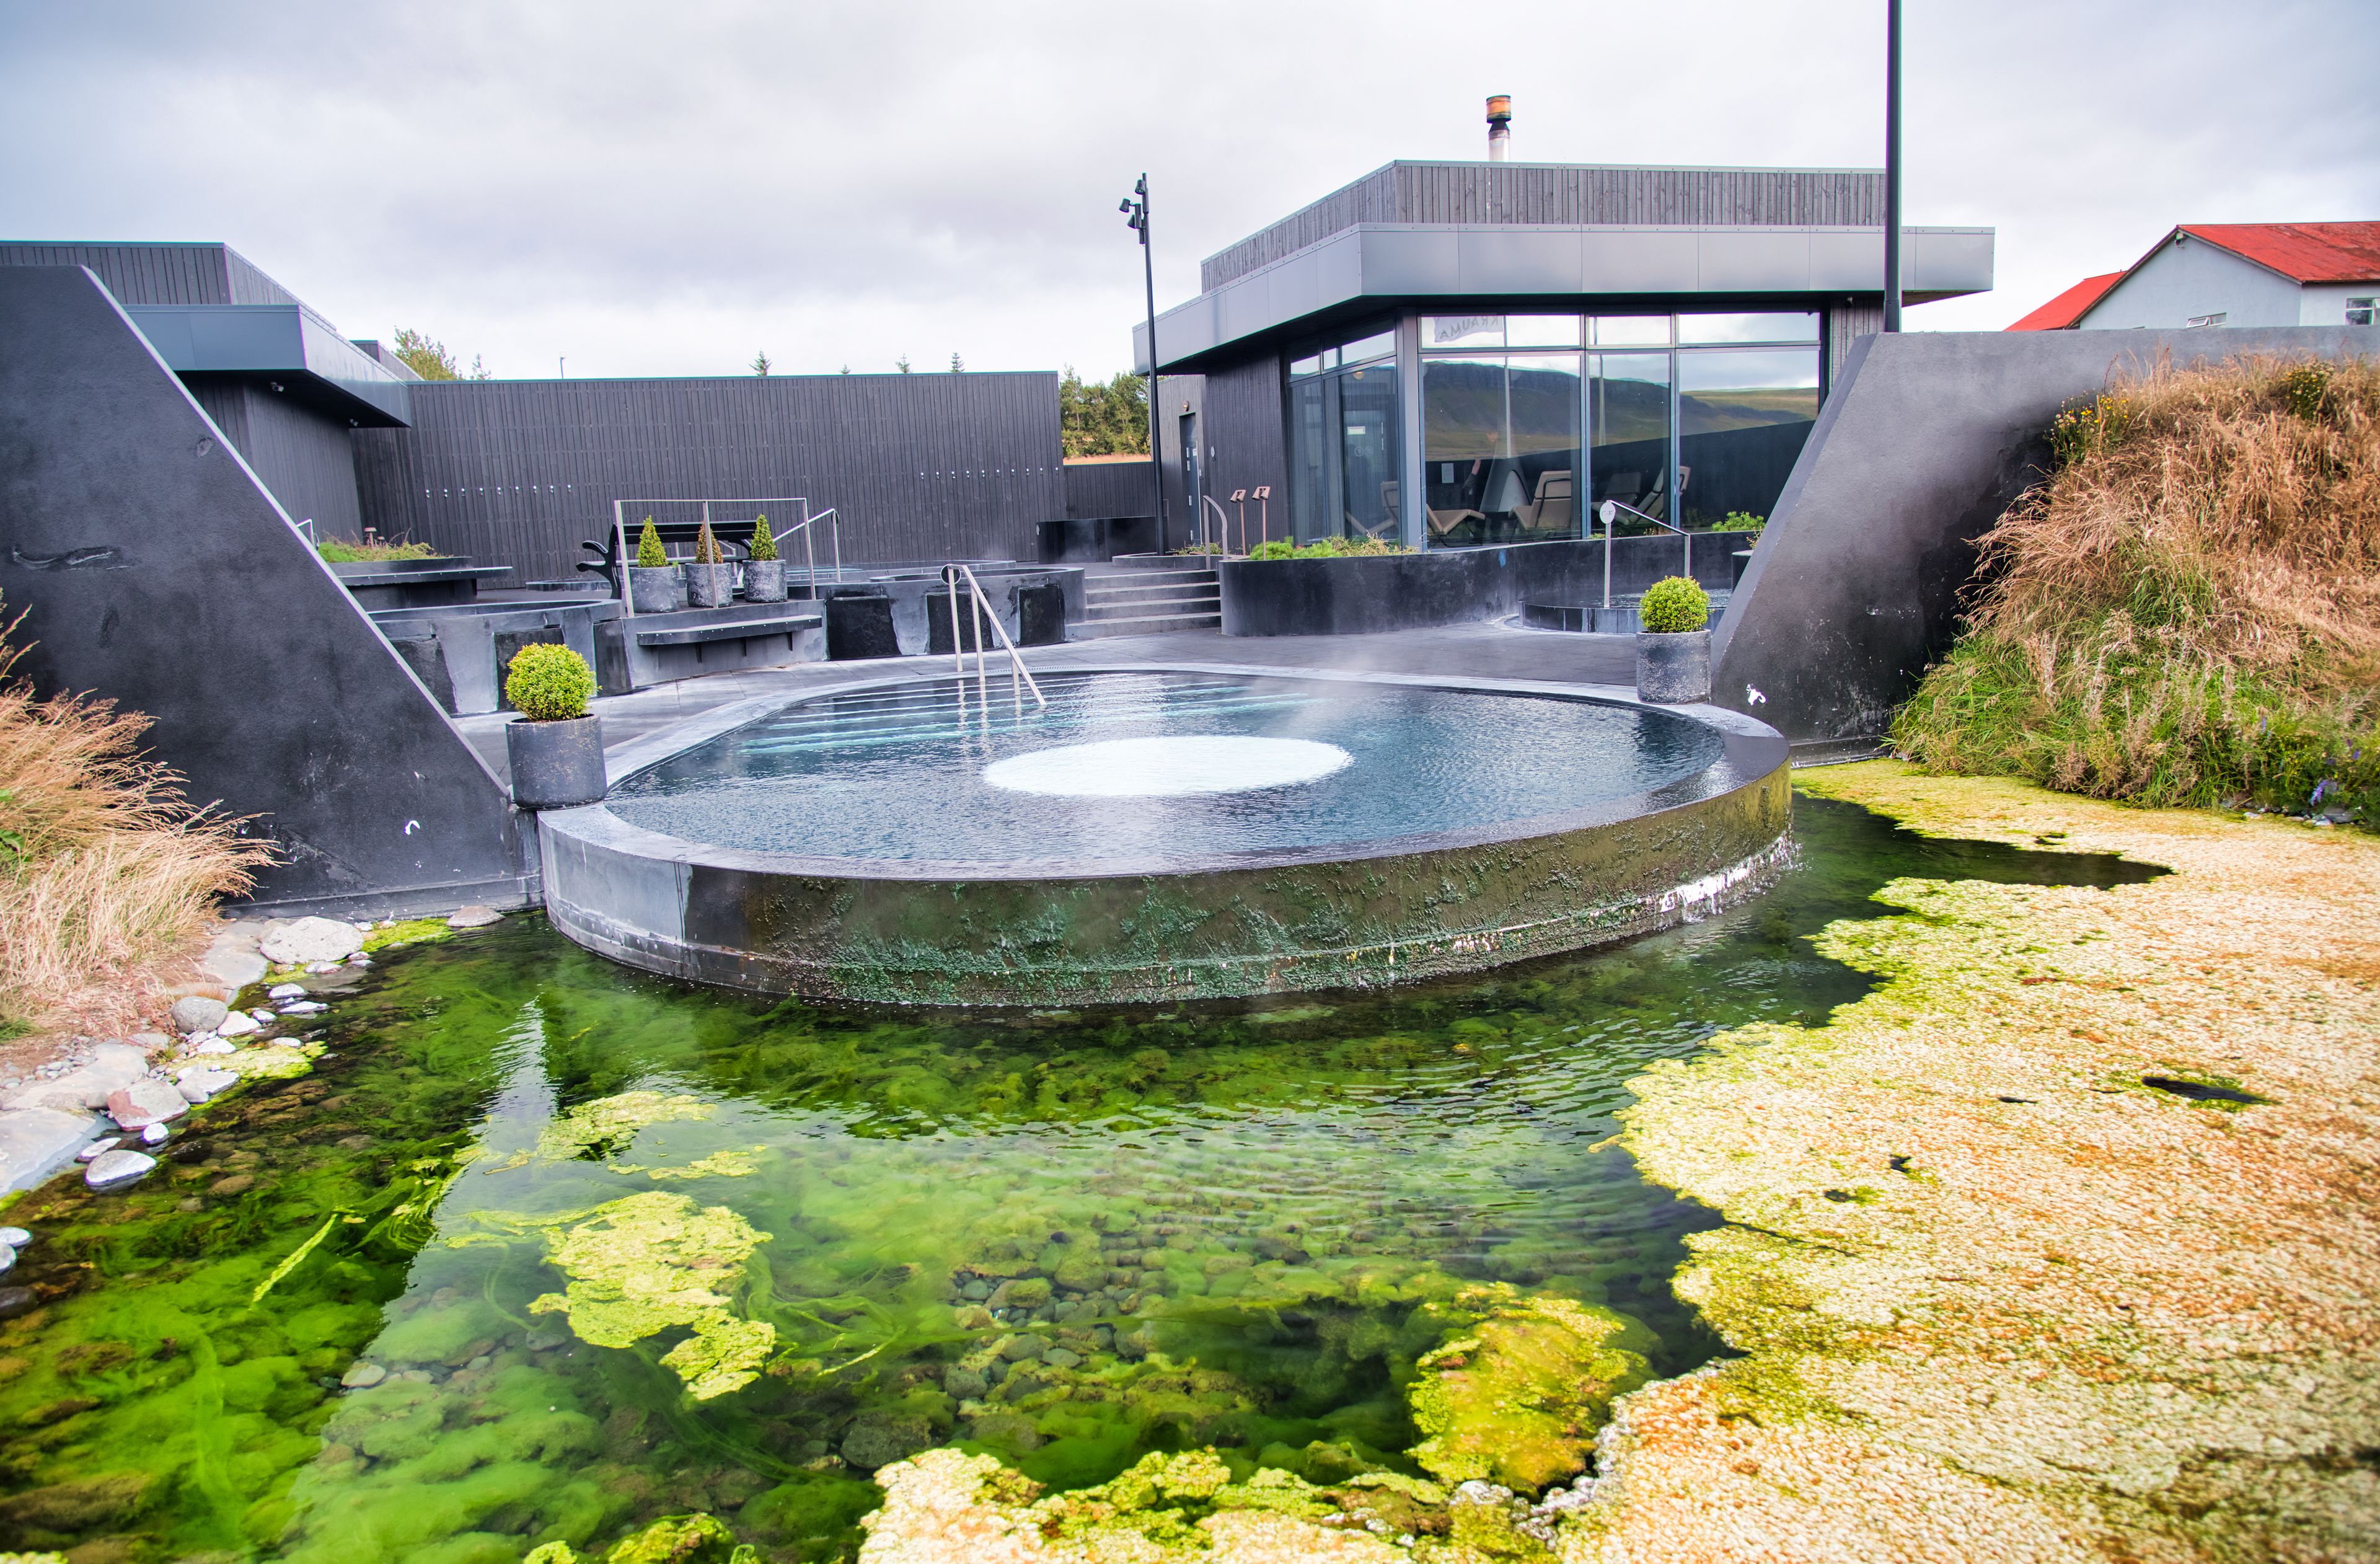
[918,466]
[1483,193]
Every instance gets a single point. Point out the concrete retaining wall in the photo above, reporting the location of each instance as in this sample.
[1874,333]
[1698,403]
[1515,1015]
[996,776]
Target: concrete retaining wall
[157,571]
[1855,589]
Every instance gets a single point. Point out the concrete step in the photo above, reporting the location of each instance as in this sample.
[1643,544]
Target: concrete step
[1148,625]
[1149,581]
[1150,595]
[1206,603]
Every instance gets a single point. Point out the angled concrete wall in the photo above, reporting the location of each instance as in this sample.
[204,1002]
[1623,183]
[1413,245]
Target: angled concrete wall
[1855,589]
[158,571]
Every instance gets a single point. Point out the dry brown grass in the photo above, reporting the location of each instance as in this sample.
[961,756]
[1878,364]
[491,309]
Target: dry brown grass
[108,875]
[2190,609]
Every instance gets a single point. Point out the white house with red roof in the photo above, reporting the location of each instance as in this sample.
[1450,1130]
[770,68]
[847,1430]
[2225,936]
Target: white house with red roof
[2232,274]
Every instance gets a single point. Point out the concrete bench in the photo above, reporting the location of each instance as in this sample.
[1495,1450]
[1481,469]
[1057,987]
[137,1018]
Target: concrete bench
[644,649]
[700,636]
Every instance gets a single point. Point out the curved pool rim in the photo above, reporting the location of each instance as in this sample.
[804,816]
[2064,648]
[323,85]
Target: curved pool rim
[1180,926]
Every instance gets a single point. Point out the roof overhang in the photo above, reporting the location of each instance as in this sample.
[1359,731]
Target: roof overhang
[1372,264]
[284,342]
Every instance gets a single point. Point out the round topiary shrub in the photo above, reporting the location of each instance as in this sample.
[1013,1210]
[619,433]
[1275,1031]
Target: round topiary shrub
[1674,605]
[549,684]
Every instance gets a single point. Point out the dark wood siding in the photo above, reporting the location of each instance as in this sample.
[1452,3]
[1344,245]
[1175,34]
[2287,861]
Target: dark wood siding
[1109,489]
[1491,192]
[918,466]
[305,458]
[144,274]
[1244,432]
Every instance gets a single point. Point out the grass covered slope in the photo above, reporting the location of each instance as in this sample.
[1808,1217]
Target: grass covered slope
[2188,612]
[108,876]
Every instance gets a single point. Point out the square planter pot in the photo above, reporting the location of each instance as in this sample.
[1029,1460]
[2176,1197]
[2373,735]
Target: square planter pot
[1674,669]
[555,765]
[655,589]
[764,581]
[708,586]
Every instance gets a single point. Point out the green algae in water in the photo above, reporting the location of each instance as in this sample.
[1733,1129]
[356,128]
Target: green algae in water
[1076,1241]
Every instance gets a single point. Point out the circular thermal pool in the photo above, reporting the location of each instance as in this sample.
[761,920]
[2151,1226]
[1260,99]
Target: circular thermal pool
[1157,834]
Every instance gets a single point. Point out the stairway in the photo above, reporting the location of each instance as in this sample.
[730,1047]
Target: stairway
[1149,600]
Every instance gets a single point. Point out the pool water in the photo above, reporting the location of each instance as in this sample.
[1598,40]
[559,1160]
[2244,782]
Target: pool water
[1213,1225]
[953,770]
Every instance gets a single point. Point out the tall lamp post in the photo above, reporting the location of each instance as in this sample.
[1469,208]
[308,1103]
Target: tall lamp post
[1892,166]
[1135,210]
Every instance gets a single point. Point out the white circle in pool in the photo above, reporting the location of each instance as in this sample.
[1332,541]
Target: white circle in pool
[1167,768]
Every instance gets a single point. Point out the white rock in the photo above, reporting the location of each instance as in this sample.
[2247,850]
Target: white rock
[237,1024]
[96,1148]
[113,1169]
[144,1103]
[285,991]
[322,968]
[313,939]
[304,1007]
[155,1134]
[210,1045]
[37,1142]
[260,1015]
[235,965]
[86,1086]
[7,1257]
[199,1085]
[196,1012]
[285,1042]
[474,917]
[363,1375]
[15,1238]
[366,925]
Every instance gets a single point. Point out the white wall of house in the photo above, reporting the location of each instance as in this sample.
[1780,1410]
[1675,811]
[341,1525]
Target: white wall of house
[2325,304]
[2187,279]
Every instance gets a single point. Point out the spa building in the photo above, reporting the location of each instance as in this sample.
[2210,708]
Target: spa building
[1452,355]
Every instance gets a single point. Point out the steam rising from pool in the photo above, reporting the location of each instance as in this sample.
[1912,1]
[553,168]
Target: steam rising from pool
[1172,766]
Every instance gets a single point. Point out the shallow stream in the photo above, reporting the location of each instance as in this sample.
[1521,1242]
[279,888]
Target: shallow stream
[546,1248]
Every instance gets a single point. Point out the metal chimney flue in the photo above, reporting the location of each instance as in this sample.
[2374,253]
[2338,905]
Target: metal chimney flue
[1499,127]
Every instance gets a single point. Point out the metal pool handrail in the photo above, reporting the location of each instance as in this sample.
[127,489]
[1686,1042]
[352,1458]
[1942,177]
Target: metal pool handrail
[1608,513]
[980,609]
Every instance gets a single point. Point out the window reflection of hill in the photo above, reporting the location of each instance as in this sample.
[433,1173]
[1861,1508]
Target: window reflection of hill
[1712,412]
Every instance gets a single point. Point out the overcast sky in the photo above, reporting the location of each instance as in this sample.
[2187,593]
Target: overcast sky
[666,189]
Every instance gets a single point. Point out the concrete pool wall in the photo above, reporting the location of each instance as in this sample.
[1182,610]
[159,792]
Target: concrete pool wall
[1188,927]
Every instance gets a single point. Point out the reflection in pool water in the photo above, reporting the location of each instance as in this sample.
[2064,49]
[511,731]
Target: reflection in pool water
[588,1248]
[914,771]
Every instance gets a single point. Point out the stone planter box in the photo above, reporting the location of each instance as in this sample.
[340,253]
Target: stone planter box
[764,581]
[1674,669]
[656,588]
[708,586]
[555,765]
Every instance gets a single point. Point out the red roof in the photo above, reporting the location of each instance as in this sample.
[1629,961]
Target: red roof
[2303,252]
[2065,310]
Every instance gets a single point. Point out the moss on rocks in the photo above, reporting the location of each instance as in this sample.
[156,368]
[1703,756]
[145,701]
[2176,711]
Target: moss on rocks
[1517,1397]
[646,1262]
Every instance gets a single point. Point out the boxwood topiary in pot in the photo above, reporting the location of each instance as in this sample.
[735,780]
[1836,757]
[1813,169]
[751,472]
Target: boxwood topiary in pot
[709,583]
[555,748]
[1673,643]
[654,584]
[764,573]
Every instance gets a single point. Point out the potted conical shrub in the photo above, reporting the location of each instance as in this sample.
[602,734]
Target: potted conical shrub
[655,585]
[555,748]
[1673,644]
[764,573]
[709,583]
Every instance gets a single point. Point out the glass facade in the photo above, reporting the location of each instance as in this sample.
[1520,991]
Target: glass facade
[1687,418]
[1344,441]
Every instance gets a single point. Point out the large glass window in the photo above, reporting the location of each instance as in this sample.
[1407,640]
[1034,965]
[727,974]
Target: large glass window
[1500,447]
[1688,419]
[1743,415]
[1628,413]
[1343,438]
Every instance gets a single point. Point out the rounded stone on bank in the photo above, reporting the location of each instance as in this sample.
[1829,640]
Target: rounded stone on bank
[114,1170]
[196,1012]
